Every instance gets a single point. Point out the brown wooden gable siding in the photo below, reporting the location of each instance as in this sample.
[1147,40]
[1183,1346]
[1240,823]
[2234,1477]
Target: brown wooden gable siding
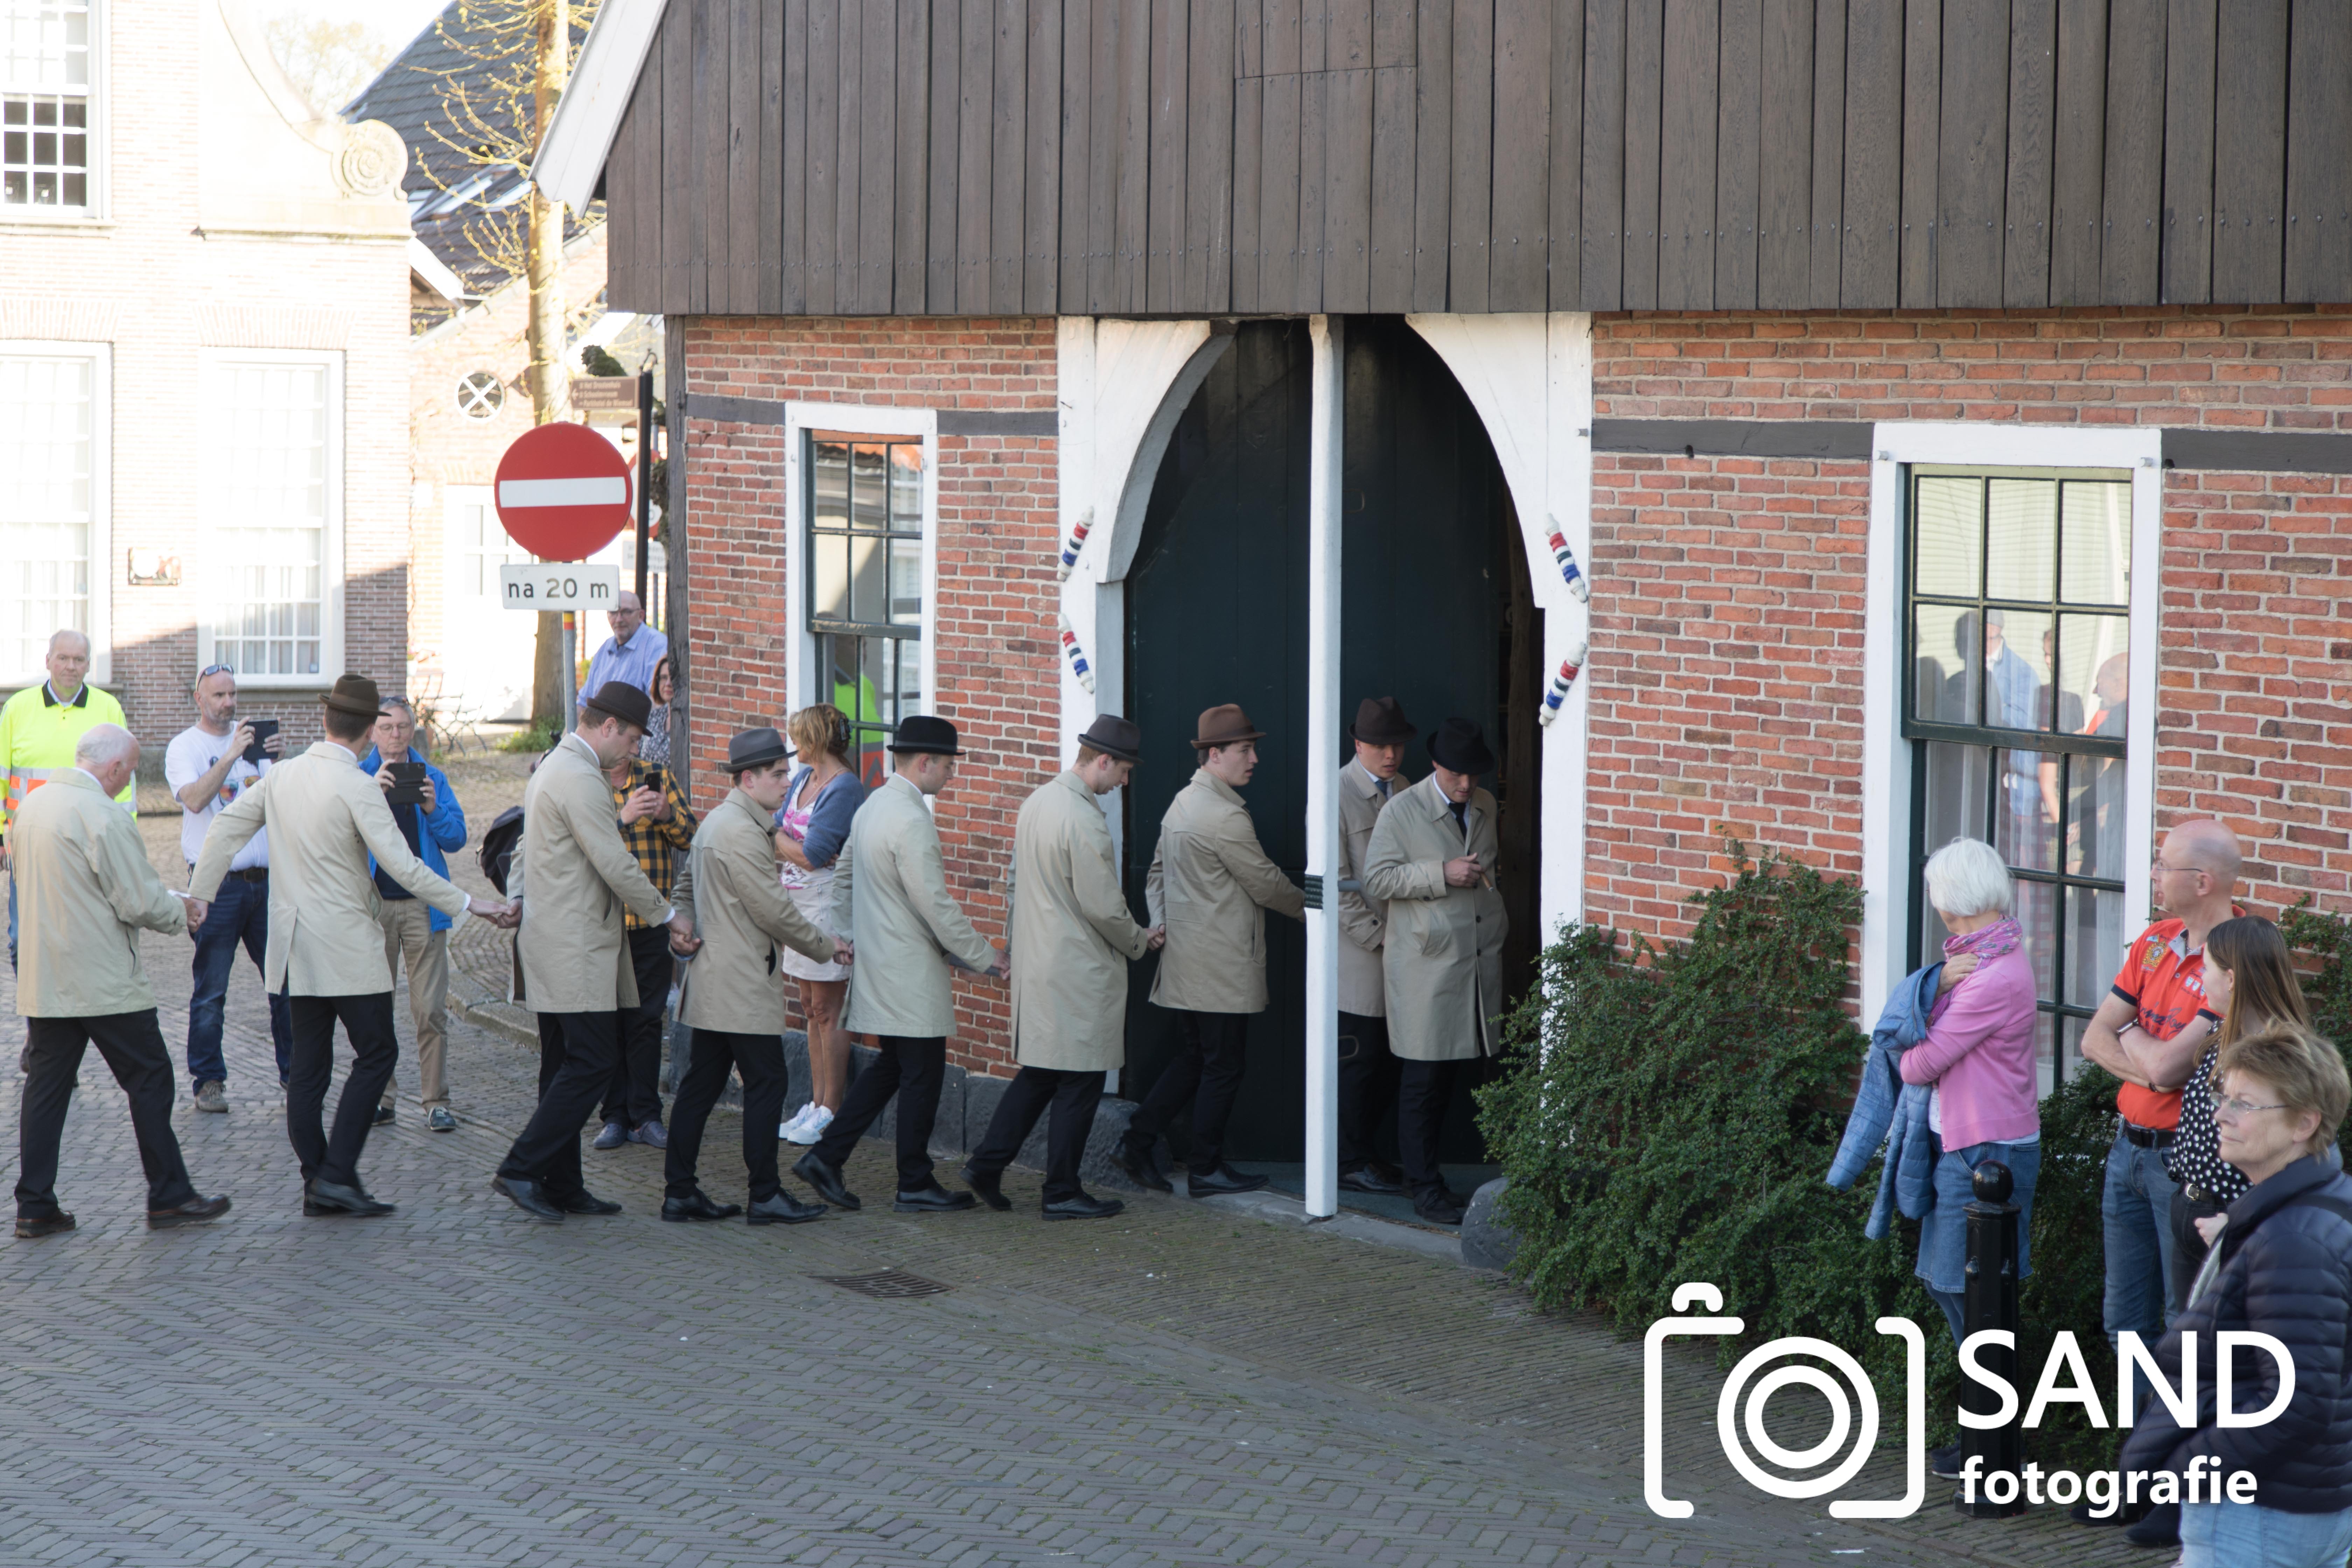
[999,157]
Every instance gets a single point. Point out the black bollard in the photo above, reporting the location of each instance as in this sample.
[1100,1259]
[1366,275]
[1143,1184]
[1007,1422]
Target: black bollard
[1990,1302]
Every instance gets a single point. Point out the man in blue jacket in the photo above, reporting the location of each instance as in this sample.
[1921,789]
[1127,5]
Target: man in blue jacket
[413,929]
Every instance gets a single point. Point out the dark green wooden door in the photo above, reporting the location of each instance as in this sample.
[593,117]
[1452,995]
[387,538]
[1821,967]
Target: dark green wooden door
[1216,611]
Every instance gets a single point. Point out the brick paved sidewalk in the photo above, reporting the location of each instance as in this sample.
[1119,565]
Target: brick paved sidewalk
[1180,1386]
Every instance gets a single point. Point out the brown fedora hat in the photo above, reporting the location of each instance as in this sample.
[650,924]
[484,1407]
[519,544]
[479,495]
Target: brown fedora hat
[1225,725]
[1380,721]
[356,695]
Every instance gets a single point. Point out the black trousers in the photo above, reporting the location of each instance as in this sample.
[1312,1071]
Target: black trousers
[334,1156]
[634,1097]
[1424,1094]
[134,1052]
[1074,1097]
[911,1068]
[2188,1249]
[761,1060]
[1367,1090]
[1198,1087]
[576,1053]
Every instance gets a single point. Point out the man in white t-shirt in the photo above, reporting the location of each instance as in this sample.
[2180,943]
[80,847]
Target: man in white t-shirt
[207,768]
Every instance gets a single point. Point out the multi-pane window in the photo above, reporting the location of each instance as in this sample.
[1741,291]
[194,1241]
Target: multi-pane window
[866,584]
[45,102]
[271,512]
[481,546]
[2020,676]
[48,502]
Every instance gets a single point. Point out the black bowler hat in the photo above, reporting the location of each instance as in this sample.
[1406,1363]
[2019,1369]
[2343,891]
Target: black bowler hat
[1116,737]
[753,748]
[929,733]
[1380,721]
[619,699]
[355,695]
[1458,748]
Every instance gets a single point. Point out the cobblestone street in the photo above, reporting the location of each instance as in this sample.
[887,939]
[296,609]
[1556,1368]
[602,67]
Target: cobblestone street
[1183,1385]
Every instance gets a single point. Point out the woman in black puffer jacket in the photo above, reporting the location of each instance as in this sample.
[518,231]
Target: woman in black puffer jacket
[2280,1265]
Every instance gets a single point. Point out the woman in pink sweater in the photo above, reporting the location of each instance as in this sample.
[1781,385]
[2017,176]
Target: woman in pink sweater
[1978,1056]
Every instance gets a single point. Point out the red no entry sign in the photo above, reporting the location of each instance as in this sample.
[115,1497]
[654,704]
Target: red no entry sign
[562,492]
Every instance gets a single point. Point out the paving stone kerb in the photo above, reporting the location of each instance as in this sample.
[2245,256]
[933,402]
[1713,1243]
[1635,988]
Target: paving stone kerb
[448,1387]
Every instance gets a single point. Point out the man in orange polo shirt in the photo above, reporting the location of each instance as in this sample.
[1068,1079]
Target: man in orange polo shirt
[2147,1033]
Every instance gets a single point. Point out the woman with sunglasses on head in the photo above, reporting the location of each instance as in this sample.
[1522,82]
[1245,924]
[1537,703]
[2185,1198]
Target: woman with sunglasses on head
[811,827]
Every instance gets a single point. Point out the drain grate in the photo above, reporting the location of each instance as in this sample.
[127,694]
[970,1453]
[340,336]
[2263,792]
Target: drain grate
[885,1284]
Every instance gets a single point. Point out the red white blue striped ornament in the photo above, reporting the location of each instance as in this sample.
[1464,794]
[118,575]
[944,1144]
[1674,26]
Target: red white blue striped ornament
[1076,655]
[1566,557]
[1568,669]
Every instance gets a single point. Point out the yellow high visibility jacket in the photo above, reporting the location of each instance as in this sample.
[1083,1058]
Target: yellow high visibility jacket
[38,736]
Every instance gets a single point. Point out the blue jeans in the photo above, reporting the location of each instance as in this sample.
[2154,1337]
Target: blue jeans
[1944,1234]
[239,913]
[2248,1535]
[2136,1211]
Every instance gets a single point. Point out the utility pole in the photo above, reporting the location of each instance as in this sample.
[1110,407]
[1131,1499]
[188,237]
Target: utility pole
[548,375]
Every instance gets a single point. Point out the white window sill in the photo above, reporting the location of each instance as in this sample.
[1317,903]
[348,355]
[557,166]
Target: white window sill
[30,220]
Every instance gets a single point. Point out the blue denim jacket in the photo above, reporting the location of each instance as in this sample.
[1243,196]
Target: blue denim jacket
[1891,1113]
[443,826]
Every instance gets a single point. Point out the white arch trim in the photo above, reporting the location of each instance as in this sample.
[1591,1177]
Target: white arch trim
[1530,379]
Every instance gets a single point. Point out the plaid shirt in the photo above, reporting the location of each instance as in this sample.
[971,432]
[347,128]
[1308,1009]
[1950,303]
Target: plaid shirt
[654,844]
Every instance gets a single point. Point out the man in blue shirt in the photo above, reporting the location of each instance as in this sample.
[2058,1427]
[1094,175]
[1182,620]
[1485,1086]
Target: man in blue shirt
[411,929]
[630,654]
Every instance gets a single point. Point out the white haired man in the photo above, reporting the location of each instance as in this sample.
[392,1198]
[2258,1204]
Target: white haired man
[87,892]
[40,728]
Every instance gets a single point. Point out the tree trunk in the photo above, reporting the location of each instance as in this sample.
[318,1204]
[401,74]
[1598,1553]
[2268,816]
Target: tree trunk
[549,374]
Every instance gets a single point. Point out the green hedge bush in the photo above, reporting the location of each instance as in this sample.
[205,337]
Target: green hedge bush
[1670,1113]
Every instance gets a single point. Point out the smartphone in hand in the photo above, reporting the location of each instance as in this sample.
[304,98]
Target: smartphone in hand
[262,730]
[407,784]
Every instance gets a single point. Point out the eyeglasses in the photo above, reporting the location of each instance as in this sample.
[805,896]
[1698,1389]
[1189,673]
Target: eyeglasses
[2231,1109]
[211,669]
[2159,868]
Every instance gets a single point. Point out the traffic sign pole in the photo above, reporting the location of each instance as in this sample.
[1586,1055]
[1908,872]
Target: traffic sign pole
[645,483]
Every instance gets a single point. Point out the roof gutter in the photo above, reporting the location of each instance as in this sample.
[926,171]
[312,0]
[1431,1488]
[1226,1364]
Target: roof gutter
[571,155]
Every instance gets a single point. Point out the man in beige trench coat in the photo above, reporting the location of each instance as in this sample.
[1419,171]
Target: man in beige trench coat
[1210,886]
[85,891]
[1072,942]
[325,819]
[572,952]
[1368,1069]
[1432,859]
[890,898]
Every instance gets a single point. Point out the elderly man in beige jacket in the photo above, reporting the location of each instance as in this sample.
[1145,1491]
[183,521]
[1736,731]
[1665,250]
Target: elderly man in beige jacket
[733,997]
[85,891]
[890,898]
[325,819]
[1368,1069]
[1432,859]
[1072,942]
[1209,887]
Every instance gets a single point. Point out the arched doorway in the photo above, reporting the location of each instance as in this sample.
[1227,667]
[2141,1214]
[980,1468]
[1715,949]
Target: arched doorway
[1437,611]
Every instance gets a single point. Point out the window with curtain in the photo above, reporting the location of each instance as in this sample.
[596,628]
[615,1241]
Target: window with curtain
[2018,599]
[50,468]
[272,508]
[864,572]
[48,120]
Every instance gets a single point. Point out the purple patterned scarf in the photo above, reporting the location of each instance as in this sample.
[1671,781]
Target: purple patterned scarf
[2004,935]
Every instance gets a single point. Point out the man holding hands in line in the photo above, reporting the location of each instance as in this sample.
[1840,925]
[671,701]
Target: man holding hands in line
[733,998]
[326,818]
[890,897]
[87,891]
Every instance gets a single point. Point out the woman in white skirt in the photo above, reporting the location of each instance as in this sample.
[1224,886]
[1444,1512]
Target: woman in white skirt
[811,827]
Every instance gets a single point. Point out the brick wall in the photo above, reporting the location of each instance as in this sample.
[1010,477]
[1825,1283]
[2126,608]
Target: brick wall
[1728,600]
[993,620]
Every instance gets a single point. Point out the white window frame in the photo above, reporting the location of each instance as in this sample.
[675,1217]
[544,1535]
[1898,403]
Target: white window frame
[101,100]
[331,663]
[455,550]
[103,565]
[799,642]
[1888,915]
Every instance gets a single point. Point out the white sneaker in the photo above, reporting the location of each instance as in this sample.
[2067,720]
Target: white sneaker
[819,1120]
[795,1127]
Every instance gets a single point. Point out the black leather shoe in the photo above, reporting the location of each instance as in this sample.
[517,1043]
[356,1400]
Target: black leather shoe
[990,1185]
[43,1225]
[1086,1206]
[933,1199]
[585,1202]
[1439,1207]
[334,1199]
[826,1180]
[783,1209]
[383,1116]
[698,1206]
[195,1211]
[528,1198]
[1367,1179]
[1388,1172]
[2160,1527]
[1138,1163]
[1221,1178]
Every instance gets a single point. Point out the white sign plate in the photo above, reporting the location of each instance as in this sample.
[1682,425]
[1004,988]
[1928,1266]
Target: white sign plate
[559,585]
